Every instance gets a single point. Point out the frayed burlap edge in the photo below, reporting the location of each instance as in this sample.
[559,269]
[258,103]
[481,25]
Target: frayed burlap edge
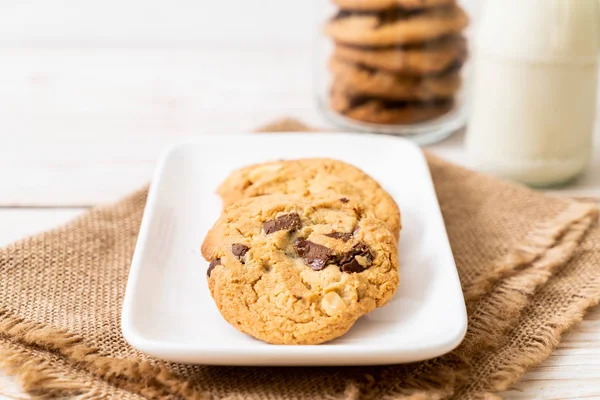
[511,299]
[129,374]
[515,365]
[549,248]
[43,379]
[538,242]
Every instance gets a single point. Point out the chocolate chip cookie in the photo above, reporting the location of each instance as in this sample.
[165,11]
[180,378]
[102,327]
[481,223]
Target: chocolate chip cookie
[294,269]
[311,176]
[371,5]
[385,85]
[395,26]
[431,58]
[380,111]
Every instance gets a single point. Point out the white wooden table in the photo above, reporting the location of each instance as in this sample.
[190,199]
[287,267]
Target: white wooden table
[91,91]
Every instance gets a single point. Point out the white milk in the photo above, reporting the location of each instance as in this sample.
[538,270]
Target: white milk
[534,96]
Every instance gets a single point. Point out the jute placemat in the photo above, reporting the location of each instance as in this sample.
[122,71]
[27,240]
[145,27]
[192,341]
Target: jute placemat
[529,266]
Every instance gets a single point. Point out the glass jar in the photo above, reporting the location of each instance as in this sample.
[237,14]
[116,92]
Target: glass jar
[535,89]
[395,66]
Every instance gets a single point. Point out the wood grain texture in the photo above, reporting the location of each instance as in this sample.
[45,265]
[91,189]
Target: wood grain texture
[90,96]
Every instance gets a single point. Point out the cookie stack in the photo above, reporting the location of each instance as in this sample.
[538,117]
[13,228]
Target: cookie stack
[396,61]
[302,250]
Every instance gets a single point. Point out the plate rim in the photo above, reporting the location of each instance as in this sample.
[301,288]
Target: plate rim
[222,355]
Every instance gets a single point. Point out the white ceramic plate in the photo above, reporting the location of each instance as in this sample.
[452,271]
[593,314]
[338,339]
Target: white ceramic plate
[168,311]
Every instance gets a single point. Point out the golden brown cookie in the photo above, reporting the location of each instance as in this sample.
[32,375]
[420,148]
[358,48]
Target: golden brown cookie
[311,176]
[396,26]
[425,59]
[370,82]
[371,5]
[390,112]
[292,269]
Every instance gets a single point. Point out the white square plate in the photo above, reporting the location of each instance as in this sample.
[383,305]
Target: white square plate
[168,311]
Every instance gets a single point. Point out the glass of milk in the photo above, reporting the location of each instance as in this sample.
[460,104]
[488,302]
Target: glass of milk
[534,93]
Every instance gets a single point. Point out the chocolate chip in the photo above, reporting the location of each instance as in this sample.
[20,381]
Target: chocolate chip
[212,266]
[351,266]
[348,263]
[239,250]
[288,221]
[359,100]
[344,200]
[314,255]
[386,16]
[340,235]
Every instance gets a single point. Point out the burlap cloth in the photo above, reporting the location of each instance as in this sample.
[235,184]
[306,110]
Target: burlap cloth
[528,264]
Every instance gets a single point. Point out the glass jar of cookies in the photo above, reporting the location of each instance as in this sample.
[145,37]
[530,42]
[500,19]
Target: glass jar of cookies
[395,66]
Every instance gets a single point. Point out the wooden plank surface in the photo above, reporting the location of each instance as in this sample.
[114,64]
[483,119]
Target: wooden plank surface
[90,96]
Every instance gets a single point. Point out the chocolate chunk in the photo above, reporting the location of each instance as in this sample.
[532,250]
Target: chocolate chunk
[452,40]
[352,266]
[449,70]
[239,250]
[340,235]
[288,221]
[212,266]
[386,16]
[358,100]
[344,200]
[348,263]
[393,15]
[314,255]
